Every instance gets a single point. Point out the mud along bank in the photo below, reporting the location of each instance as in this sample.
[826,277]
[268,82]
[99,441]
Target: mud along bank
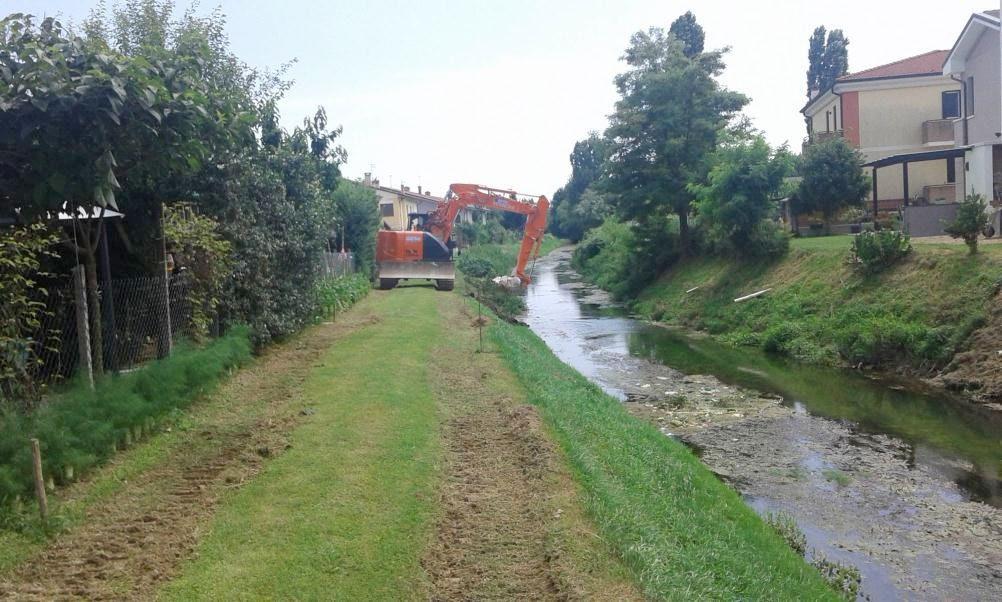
[902,484]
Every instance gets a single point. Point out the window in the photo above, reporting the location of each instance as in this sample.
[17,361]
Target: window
[951,171]
[386,209]
[970,95]
[951,104]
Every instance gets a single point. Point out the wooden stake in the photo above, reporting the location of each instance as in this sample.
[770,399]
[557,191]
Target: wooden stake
[36,456]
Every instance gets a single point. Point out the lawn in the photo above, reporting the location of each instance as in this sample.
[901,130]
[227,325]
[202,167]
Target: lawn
[345,512]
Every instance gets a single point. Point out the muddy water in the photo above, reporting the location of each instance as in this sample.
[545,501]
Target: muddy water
[902,483]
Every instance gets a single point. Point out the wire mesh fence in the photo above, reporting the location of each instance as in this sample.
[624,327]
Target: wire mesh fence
[337,265]
[140,320]
[134,327]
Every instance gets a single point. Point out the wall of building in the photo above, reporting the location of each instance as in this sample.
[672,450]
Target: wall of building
[983,64]
[891,120]
[819,121]
[890,180]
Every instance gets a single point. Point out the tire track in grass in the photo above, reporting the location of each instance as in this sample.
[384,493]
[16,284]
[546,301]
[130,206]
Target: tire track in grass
[133,538]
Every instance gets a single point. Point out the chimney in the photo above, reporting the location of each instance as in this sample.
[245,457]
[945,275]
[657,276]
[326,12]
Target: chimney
[419,189]
[368,178]
[427,193]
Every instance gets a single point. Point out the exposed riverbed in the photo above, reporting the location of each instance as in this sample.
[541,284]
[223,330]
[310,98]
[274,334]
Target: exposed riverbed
[903,484]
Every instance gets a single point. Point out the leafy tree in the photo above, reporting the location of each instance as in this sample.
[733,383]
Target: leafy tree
[567,218]
[816,59]
[970,222]
[741,191]
[690,33]
[358,213]
[77,117]
[833,178]
[828,59]
[665,127]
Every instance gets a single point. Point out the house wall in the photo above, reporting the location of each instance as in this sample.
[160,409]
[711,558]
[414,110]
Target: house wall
[890,120]
[401,208]
[818,119]
[983,64]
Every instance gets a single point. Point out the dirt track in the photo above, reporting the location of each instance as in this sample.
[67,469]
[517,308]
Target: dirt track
[506,498]
[136,540]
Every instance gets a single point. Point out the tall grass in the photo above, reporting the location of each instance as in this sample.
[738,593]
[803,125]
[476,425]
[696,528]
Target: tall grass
[684,534]
[79,428]
[480,263]
[338,294]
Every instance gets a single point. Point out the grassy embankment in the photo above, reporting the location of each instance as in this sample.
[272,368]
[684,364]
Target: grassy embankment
[916,314]
[683,533]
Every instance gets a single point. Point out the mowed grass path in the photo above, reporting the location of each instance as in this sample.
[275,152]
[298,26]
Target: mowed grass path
[345,513]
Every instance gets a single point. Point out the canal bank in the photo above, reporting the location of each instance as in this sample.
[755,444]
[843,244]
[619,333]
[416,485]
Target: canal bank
[898,483]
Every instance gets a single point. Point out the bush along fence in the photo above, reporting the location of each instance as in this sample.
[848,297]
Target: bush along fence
[80,426]
[335,294]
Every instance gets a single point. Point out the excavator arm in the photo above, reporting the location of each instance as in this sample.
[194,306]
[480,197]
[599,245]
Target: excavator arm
[460,196]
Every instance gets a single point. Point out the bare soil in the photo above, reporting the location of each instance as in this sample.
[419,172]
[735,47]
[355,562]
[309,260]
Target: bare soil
[510,525]
[136,540]
[977,371]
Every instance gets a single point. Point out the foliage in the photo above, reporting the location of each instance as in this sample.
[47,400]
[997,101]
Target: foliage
[872,252]
[784,524]
[22,250]
[579,206]
[79,428]
[357,221]
[669,519]
[664,128]
[624,257]
[338,294]
[828,58]
[488,231]
[481,263]
[822,310]
[833,178]
[970,222]
[690,33]
[740,195]
[202,254]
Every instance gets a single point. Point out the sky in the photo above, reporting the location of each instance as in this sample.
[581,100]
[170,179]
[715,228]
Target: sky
[496,92]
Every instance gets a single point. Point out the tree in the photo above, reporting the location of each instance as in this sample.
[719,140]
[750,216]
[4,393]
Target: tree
[568,218]
[970,222]
[833,178]
[741,192]
[77,118]
[665,127]
[815,60]
[690,33]
[358,214]
[828,59]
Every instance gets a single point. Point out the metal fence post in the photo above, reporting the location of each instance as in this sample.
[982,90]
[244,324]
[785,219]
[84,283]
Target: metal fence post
[83,324]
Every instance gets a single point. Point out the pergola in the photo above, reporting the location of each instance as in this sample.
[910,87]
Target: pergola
[904,160]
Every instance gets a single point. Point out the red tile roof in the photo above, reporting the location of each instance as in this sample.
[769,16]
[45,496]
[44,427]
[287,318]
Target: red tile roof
[930,63]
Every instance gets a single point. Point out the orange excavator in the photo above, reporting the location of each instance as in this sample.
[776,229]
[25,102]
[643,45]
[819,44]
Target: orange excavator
[425,252]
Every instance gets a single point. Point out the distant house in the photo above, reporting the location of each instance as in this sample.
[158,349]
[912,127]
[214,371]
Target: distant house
[974,60]
[397,207]
[902,108]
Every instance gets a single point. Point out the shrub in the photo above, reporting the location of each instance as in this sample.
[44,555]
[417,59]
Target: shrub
[622,258]
[872,252]
[970,222]
[79,428]
[338,294]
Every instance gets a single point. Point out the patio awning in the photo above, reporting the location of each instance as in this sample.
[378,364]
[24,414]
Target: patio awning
[946,153]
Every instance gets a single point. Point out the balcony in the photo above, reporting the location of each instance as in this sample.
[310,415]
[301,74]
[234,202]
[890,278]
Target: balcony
[819,137]
[937,130]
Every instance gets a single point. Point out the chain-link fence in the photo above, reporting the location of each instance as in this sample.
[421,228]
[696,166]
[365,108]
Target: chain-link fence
[338,264]
[134,326]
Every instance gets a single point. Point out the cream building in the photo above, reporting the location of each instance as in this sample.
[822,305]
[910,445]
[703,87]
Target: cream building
[900,108]
[398,206]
